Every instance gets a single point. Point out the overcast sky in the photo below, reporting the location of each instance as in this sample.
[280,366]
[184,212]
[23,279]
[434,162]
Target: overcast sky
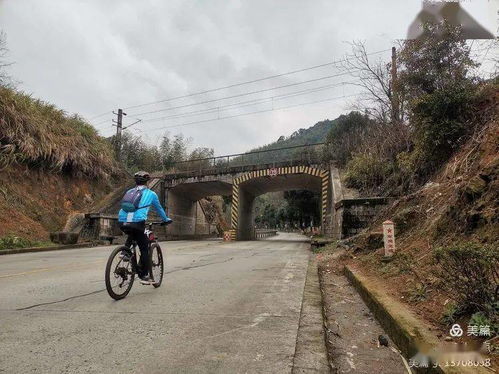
[93,56]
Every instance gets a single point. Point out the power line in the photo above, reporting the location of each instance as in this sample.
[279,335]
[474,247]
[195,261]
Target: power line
[99,115]
[255,112]
[244,94]
[249,82]
[249,102]
[253,81]
[101,122]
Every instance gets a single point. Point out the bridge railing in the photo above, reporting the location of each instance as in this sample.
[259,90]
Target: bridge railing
[292,155]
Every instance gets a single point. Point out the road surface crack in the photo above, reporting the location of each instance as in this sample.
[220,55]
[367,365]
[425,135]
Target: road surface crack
[199,266]
[61,301]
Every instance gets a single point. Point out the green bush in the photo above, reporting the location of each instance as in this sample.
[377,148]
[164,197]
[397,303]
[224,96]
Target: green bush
[365,171]
[450,314]
[441,120]
[489,318]
[471,273]
[15,242]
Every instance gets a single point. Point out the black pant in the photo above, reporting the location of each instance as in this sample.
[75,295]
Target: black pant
[135,232]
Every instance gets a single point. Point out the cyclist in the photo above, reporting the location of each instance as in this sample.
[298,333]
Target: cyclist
[132,221]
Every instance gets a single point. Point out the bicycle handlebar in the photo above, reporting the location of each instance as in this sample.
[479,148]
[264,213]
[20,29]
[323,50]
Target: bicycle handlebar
[159,223]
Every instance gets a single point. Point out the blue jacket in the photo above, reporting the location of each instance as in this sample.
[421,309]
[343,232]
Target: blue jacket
[148,199]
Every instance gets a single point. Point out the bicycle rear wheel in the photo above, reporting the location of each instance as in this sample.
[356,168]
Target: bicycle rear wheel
[119,274]
[157,264]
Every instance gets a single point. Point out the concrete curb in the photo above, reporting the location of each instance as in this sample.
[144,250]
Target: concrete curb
[408,332]
[310,352]
[43,249]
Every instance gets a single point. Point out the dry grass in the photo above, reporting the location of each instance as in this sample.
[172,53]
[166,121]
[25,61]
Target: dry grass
[39,135]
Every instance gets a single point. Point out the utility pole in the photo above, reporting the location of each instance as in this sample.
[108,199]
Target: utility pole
[394,88]
[119,130]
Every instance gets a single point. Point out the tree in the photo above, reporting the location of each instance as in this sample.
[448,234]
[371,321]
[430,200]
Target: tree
[375,80]
[173,150]
[441,90]
[439,59]
[303,205]
[137,155]
[345,137]
[201,152]
[202,155]
[4,77]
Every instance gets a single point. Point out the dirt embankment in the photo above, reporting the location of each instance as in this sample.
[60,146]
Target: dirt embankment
[460,204]
[51,165]
[35,202]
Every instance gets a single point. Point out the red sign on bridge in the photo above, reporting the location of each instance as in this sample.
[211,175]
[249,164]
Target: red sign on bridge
[273,172]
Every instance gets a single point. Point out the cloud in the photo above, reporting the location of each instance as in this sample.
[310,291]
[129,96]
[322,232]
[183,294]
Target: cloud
[93,56]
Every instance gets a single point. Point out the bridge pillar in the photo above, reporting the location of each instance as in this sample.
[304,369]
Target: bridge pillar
[182,211]
[245,227]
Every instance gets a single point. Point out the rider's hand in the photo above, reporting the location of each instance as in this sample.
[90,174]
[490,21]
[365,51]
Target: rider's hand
[164,223]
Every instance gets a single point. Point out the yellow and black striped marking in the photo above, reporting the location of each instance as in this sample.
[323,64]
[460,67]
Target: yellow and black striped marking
[323,174]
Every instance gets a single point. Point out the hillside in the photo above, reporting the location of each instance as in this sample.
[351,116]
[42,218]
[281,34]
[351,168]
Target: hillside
[447,239]
[51,165]
[314,134]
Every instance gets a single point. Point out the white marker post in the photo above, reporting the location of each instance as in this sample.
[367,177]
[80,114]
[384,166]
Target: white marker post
[389,238]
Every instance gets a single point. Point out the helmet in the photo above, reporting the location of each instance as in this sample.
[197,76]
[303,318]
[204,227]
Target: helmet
[141,177]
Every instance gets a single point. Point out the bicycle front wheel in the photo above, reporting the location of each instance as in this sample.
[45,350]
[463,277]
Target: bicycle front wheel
[119,274]
[157,264]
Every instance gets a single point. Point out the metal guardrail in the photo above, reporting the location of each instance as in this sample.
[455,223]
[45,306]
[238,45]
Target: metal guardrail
[260,233]
[305,154]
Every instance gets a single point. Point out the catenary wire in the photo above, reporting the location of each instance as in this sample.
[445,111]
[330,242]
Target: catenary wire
[250,113]
[237,105]
[250,81]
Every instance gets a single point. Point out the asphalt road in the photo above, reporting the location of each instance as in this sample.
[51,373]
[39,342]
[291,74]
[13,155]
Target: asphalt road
[222,308]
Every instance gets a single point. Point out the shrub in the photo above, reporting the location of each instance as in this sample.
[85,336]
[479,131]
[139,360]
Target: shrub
[365,171]
[441,119]
[489,318]
[450,314]
[418,293]
[471,273]
[345,136]
[15,242]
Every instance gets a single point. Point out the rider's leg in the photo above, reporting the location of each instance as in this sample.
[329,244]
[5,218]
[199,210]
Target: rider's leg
[129,241]
[135,232]
[145,259]
[127,231]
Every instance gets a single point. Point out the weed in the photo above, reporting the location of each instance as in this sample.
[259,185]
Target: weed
[471,273]
[15,242]
[450,314]
[403,262]
[418,293]
[485,319]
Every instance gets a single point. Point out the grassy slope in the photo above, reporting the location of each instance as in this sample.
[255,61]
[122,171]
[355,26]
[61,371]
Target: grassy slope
[51,165]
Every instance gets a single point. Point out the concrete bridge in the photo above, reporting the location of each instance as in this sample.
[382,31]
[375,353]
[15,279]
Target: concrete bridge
[243,177]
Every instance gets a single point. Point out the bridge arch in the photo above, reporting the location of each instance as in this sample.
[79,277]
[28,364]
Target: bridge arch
[185,208]
[249,185]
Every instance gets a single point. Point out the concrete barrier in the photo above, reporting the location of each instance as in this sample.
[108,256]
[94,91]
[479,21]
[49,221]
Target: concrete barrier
[409,333]
[62,237]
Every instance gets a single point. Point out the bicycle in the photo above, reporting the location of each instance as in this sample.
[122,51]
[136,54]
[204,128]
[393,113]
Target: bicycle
[122,266]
